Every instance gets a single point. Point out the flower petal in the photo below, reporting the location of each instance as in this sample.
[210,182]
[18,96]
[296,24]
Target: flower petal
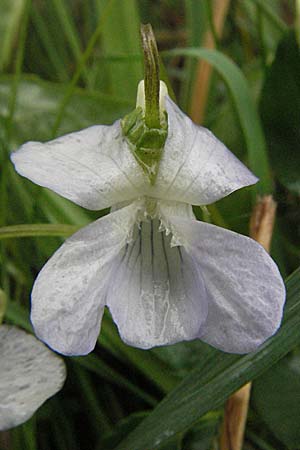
[196,167]
[92,167]
[69,294]
[29,372]
[245,290]
[157,296]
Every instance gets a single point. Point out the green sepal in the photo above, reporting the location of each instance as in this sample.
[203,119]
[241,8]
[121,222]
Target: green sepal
[146,144]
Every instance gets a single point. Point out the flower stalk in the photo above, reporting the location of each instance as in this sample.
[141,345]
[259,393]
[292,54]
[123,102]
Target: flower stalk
[151,77]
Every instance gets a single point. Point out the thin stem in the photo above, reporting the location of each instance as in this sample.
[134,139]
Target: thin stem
[151,77]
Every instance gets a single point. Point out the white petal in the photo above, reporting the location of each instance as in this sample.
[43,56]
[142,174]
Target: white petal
[68,295]
[196,167]
[29,374]
[245,290]
[93,167]
[157,296]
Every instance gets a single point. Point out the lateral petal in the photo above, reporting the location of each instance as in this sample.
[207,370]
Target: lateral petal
[29,372]
[196,167]
[246,293]
[69,293]
[92,167]
[157,296]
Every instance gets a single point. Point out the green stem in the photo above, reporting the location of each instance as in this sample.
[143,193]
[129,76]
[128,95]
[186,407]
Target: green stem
[151,77]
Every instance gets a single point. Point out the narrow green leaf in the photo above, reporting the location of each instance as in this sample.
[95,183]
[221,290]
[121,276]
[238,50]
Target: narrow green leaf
[64,16]
[18,68]
[97,415]
[11,15]
[103,370]
[246,111]
[120,34]
[196,25]
[221,374]
[36,229]
[272,17]
[41,25]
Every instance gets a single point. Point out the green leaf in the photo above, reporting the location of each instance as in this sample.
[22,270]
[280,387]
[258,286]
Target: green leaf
[245,108]
[36,229]
[10,17]
[276,397]
[120,35]
[280,111]
[219,375]
[196,25]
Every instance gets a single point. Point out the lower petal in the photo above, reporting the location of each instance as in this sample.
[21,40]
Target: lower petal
[69,294]
[245,290]
[157,295]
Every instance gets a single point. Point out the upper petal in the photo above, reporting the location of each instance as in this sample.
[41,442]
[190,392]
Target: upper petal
[69,293]
[196,167]
[157,295]
[245,290]
[92,167]
[29,372]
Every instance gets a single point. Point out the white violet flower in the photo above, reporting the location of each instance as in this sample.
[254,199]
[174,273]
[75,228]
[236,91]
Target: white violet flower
[164,276]
[30,373]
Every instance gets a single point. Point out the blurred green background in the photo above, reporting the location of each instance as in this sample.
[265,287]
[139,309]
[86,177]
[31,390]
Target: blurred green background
[234,66]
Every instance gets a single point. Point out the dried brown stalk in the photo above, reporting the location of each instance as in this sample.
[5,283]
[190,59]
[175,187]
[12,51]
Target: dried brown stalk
[236,408]
[204,69]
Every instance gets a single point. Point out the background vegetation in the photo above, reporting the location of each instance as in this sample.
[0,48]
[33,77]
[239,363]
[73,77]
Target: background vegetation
[68,64]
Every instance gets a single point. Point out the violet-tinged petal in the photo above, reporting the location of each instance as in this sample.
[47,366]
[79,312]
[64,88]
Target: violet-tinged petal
[245,290]
[92,167]
[156,295]
[69,293]
[196,167]
[29,374]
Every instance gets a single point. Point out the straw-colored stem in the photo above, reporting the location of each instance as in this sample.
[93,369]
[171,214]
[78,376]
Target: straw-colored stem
[236,408]
[204,70]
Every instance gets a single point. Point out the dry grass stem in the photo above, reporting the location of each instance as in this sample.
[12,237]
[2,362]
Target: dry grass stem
[204,70]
